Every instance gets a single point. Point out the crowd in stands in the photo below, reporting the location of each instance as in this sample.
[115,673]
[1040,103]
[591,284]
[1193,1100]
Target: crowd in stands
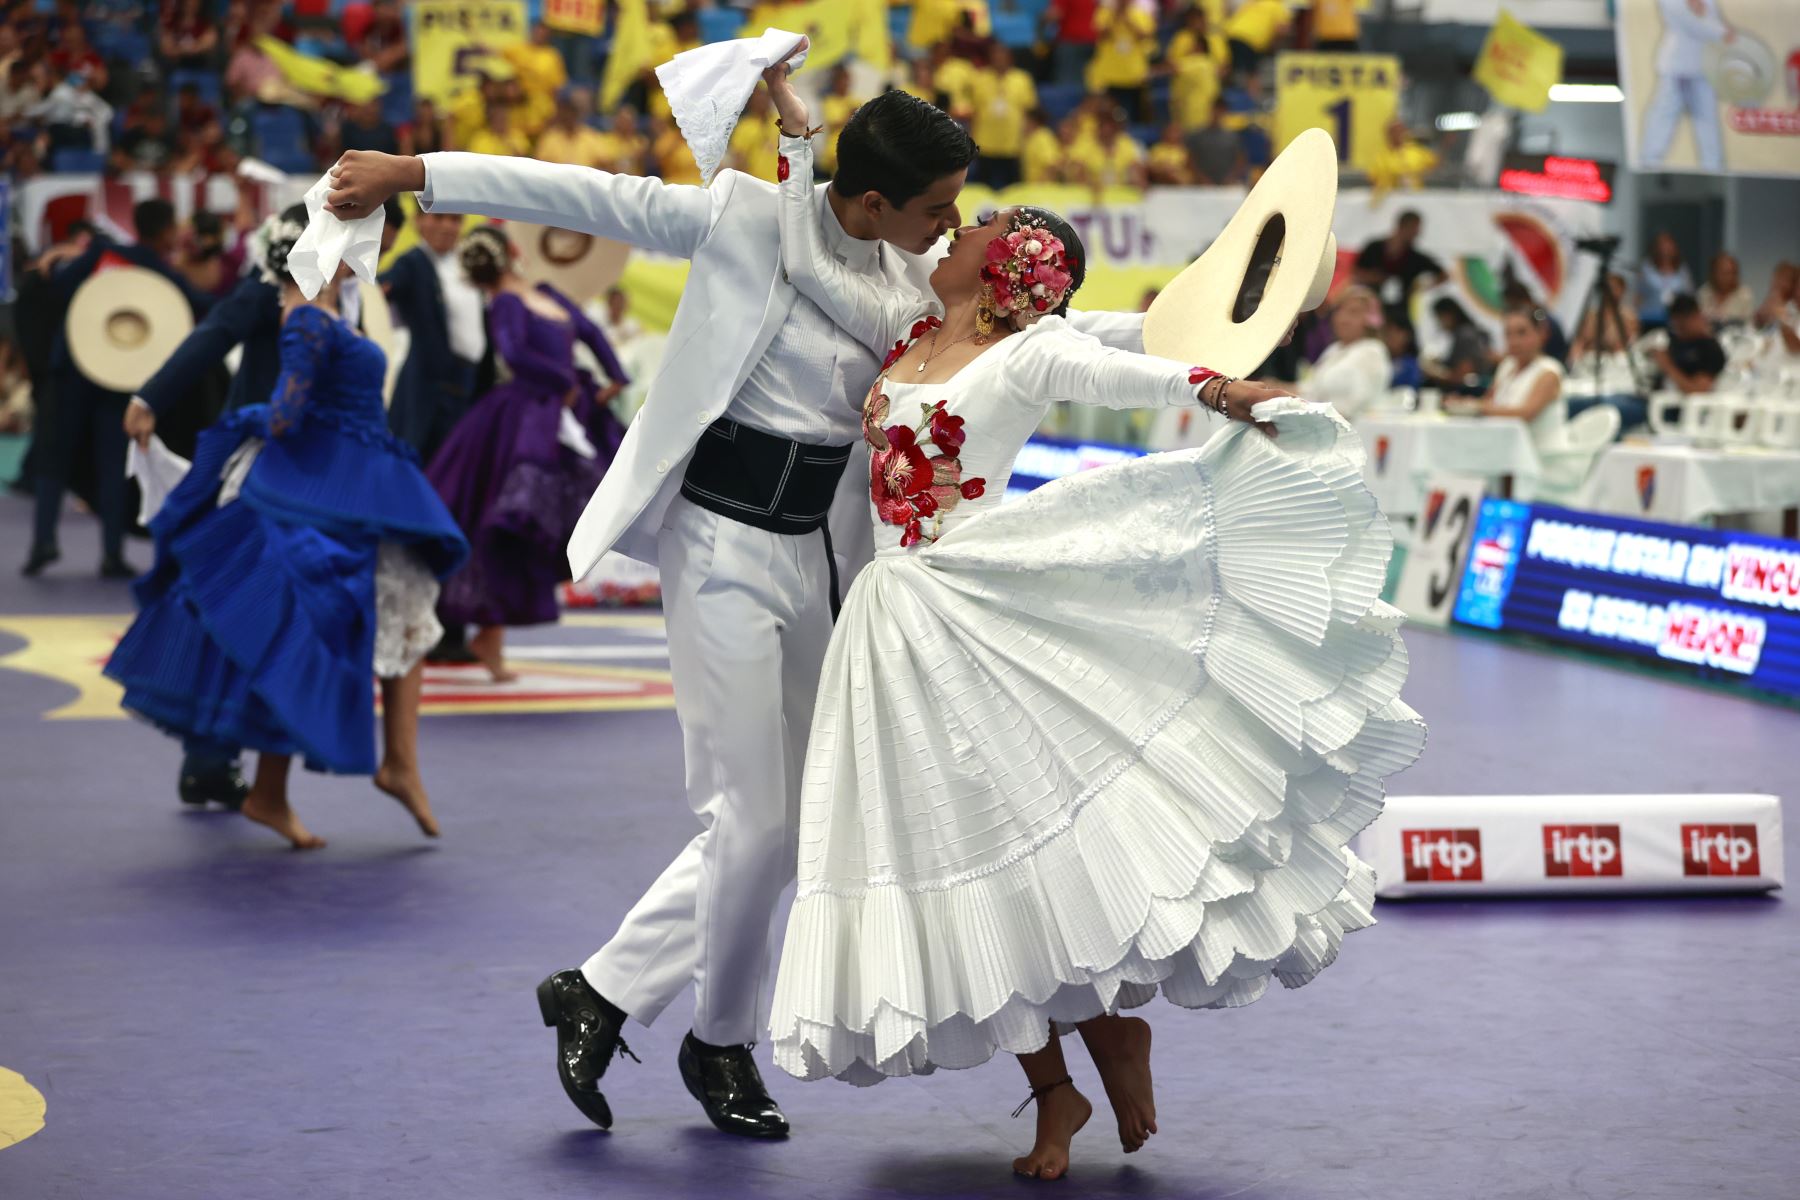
[1097,92]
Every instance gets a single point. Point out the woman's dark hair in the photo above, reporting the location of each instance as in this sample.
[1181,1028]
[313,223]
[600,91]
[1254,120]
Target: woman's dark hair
[1531,312]
[1075,253]
[293,217]
[1444,306]
[485,255]
[898,145]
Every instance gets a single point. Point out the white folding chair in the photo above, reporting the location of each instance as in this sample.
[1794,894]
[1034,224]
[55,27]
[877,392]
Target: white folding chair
[1566,467]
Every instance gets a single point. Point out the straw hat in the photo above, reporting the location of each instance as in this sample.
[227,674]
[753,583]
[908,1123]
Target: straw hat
[123,324]
[1284,228]
[578,265]
[1742,70]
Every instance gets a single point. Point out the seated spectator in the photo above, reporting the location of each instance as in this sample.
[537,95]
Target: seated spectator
[1354,371]
[569,139]
[919,81]
[1125,42]
[1336,26]
[26,85]
[1468,357]
[616,322]
[74,56]
[501,136]
[191,110]
[361,127]
[1042,158]
[147,143]
[1395,267]
[1196,60]
[755,148]
[1693,360]
[934,22]
[835,108]
[1556,342]
[1403,353]
[1403,163]
[1252,31]
[425,133]
[1664,276]
[383,42]
[954,79]
[1724,298]
[74,117]
[1001,95]
[187,39]
[1528,384]
[1168,161]
[541,74]
[1779,319]
[669,150]
[1068,25]
[1248,108]
[1215,151]
[1110,158]
[623,150]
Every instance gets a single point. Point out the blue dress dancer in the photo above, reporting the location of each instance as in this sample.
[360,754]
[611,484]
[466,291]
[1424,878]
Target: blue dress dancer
[298,557]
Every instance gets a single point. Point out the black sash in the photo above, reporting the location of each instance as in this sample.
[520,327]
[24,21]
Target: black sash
[767,482]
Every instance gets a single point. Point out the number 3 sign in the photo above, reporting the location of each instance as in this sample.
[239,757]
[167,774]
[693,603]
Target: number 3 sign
[1433,570]
[1350,96]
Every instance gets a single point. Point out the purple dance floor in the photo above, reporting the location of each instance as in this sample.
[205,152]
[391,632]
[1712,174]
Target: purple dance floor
[209,1015]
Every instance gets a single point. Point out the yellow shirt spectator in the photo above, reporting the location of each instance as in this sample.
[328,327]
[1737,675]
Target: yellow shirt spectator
[674,161]
[622,154]
[755,147]
[835,112]
[1197,69]
[955,78]
[1258,23]
[933,21]
[1126,43]
[999,104]
[1106,166]
[1169,163]
[541,75]
[513,142]
[1041,161]
[583,147]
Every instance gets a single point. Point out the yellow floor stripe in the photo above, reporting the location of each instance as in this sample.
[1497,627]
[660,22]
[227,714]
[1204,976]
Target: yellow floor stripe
[21,1108]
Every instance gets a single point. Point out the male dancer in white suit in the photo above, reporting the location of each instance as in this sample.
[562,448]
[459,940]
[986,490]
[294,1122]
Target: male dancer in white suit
[737,456]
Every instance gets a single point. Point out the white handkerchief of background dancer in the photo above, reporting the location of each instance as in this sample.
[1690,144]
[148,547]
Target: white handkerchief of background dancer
[158,470]
[329,241]
[571,434]
[709,85]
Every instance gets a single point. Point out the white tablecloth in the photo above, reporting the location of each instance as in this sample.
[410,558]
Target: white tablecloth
[1405,451]
[1687,485]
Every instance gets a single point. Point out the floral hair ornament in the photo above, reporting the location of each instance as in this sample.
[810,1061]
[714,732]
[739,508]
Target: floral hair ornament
[1027,272]
[270,244]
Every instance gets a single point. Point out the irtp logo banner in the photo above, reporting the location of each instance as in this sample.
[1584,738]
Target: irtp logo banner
[1719,850]
[1441,855]
[1581,851]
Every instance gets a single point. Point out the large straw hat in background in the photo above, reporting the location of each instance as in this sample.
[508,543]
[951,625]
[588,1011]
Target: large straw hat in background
[1280,241]
[123,324]
[578,265]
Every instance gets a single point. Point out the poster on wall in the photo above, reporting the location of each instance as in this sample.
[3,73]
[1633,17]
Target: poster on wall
[1711,86]
[1353,97]
[451,38]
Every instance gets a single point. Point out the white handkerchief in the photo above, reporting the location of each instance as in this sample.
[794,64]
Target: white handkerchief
[329,241]
[571,434]
[158,470]
[709,85]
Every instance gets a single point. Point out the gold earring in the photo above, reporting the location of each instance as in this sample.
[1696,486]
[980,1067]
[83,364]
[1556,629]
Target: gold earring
[984,313]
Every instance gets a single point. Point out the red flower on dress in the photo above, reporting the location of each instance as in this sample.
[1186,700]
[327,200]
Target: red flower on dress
[974,489]
[947,431]
[781,168]
[875,414]
[897,475]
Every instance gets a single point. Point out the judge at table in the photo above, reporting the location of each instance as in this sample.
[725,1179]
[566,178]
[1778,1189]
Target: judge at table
[1528,384]
[1353,372]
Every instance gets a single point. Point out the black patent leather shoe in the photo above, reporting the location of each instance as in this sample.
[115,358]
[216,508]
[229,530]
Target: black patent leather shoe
[118,568]
[204,783]
[587,1038]
[730,1089]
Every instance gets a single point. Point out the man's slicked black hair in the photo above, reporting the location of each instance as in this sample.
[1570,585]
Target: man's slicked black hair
[899,145]
[152,219]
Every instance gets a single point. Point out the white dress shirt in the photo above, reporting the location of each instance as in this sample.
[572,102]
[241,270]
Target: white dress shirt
[462,307]
[811,357]
[1351,376]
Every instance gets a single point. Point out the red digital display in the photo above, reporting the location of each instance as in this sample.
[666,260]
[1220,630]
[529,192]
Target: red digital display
[1565,178]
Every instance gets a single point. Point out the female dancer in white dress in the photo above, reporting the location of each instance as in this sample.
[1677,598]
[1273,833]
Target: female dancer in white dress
[1108,739]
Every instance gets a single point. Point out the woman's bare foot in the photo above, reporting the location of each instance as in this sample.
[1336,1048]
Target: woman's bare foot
[489,647]
[274,812]
[1061,1113]
[405,785]
[1120,1047]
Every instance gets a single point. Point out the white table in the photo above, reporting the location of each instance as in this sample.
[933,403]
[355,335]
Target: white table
[1406,450]
[1688,485]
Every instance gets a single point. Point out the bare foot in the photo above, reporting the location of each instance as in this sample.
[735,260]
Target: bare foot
[276,814]
[488,646]
[1060,1115]
[1121,1050]
[409,789]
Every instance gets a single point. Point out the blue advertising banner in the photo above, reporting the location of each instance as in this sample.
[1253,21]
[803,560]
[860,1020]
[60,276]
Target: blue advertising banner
[1713,603]
[1047,458]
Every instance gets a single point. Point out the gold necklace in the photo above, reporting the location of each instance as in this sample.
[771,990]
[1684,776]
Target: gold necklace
[933,353]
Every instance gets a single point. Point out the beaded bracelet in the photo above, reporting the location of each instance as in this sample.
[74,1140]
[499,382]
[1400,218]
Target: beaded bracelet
[782,130]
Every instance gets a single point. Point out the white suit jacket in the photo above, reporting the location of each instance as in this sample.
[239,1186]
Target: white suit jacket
[735,300]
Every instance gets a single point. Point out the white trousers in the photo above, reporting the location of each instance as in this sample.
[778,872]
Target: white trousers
[1675,96]
[749,618]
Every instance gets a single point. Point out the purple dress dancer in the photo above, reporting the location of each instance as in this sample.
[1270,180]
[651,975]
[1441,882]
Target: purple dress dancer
[512,485]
